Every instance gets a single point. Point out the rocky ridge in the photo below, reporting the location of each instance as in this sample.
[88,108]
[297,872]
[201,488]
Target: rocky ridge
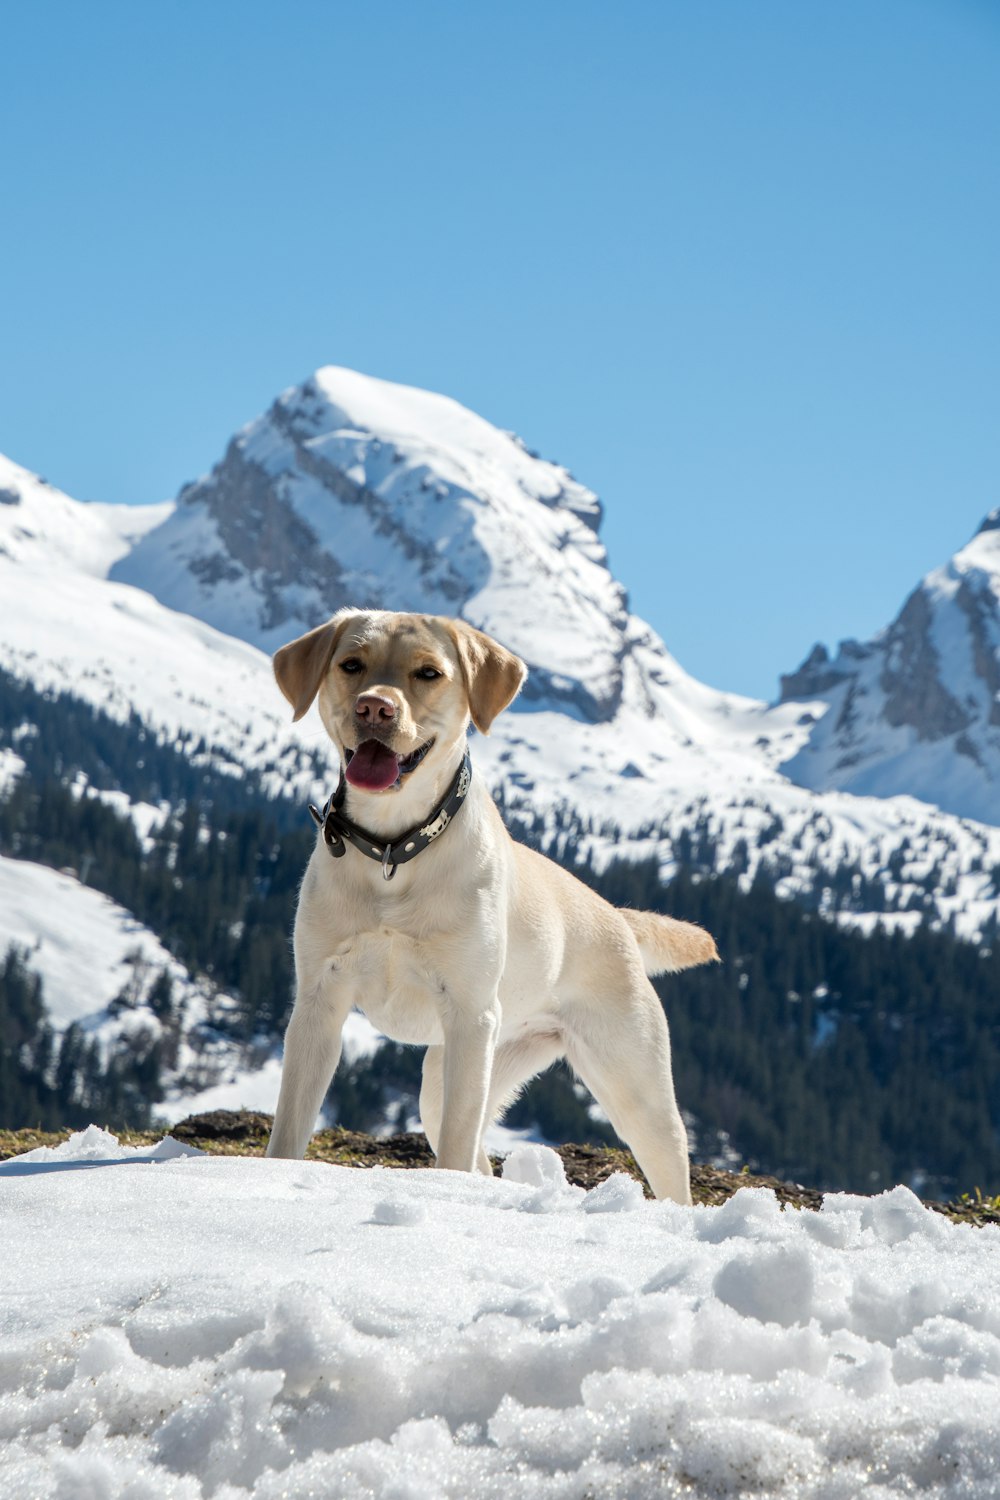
[916,710]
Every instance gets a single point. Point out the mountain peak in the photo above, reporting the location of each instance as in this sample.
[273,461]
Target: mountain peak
[16,482]
[463,446]
[39,525]
[916,709]
[351,490]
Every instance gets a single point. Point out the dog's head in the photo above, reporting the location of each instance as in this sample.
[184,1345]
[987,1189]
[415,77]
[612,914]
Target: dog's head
[397,691]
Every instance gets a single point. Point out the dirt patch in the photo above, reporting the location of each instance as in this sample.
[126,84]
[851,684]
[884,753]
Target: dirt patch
[243,1132]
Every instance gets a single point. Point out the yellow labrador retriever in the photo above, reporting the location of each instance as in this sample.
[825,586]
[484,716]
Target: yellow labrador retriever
[419,908]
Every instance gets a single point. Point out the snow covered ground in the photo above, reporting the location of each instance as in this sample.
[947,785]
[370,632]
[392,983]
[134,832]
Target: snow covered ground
[225,1327]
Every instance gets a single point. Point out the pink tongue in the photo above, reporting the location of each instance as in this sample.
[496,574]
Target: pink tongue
[373,767]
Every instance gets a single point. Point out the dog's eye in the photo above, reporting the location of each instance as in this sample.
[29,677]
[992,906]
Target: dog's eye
[427,674]
[352,665]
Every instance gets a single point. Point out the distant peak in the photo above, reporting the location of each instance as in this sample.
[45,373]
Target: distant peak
[992,521]
[13,477]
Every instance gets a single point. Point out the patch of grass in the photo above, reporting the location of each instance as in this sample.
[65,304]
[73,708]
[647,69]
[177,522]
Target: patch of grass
[244,1133]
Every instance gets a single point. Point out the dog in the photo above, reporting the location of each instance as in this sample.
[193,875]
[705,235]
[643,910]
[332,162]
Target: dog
[443,930]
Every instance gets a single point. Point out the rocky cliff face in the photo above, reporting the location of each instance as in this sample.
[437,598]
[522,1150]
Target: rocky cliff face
[917,709]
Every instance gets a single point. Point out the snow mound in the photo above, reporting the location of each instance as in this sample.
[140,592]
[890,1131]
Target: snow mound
[229,1327]
[96,1145]
[534,1164]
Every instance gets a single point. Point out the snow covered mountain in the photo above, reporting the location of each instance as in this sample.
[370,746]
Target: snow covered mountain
[66,627]
[916,709]
[353,490]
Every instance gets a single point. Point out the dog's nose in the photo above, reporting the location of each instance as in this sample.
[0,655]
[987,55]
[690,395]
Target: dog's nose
[372,708]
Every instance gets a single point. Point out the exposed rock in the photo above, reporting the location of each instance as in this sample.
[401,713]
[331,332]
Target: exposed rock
[263,538]
[911,676]
[816,676]
[980,607]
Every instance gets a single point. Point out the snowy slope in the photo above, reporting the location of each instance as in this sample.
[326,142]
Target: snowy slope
[209,1326]
[66,627]
[38,522]
[90,953]
[916,709]
[85,948]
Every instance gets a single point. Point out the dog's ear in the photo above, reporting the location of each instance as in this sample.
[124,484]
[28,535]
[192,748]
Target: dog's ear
[493,675]
[300,667]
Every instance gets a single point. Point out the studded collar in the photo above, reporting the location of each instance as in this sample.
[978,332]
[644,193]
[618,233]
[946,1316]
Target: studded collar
[339,831]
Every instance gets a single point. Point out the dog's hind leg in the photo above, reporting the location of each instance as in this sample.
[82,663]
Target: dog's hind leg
[626,1066]
[516,1062]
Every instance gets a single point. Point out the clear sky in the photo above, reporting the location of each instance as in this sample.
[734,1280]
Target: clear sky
[734,264]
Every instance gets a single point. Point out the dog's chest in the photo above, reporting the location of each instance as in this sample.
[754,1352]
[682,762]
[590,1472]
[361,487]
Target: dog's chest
[397,981]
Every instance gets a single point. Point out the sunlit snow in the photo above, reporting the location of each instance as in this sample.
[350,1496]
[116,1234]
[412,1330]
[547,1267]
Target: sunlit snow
[226,1327]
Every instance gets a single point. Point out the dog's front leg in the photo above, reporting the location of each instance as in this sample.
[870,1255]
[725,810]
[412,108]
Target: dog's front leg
[470,1037]
[312,1052]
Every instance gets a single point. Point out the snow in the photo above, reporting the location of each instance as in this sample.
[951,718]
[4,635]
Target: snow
[239,1087]
[87,950]
[79,941]
[37,518]
[228,1327]
[11,766]
[94,1145]
[145,816]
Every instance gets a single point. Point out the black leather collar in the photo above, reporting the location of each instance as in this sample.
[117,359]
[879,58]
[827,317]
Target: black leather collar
[339,831]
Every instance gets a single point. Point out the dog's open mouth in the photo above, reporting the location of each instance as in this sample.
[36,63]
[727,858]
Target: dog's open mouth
[373,767]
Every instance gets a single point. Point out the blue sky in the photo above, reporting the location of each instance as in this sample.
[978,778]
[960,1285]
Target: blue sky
[734,264]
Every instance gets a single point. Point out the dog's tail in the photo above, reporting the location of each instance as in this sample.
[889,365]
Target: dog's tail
[666,945]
